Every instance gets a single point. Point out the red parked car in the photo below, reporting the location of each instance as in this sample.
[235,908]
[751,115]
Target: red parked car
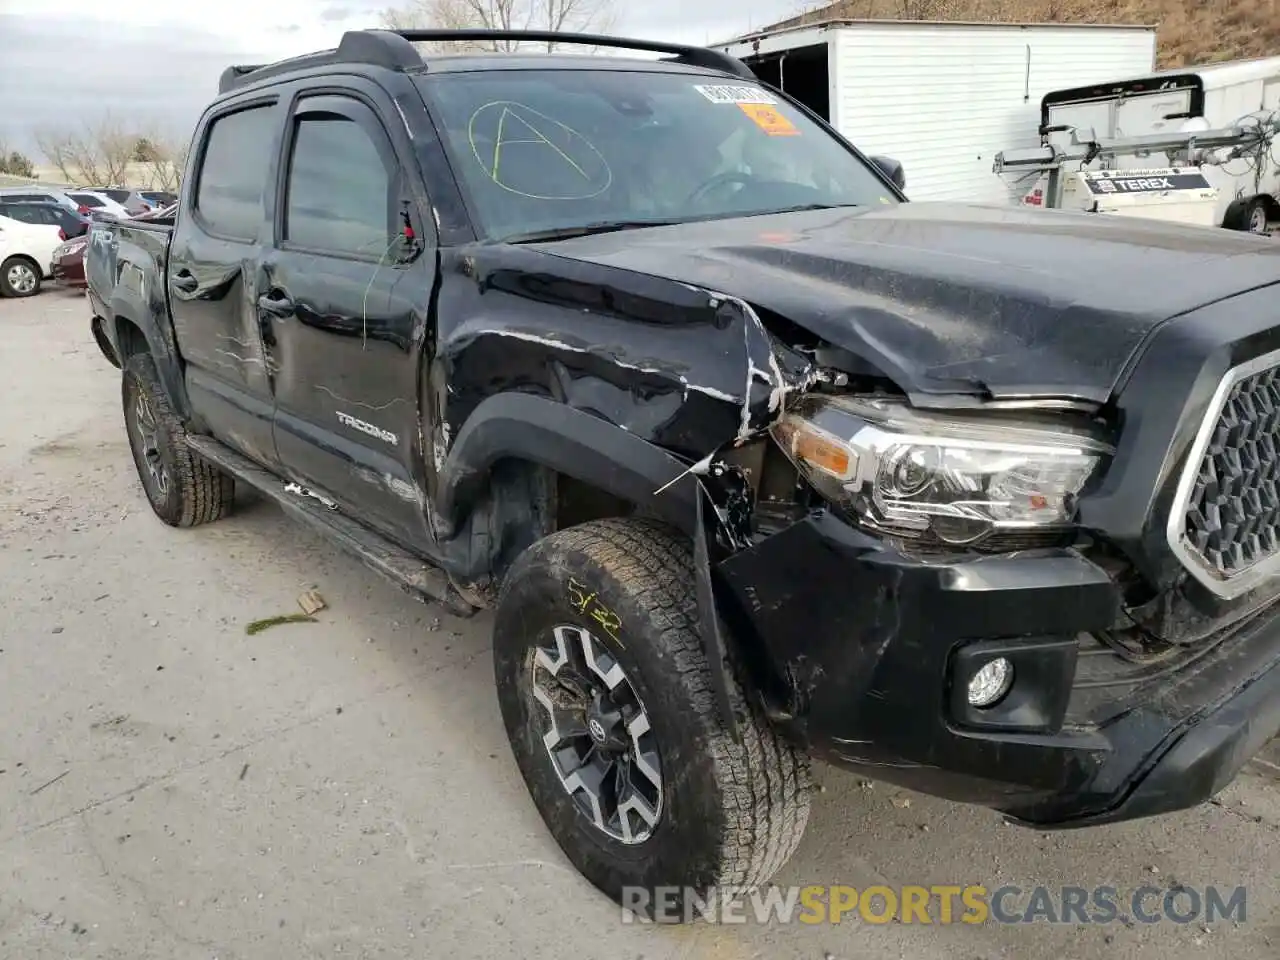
[68,262]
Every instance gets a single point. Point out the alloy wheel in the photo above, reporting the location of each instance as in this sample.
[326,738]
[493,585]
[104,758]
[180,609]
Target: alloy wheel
[597,735]
[148,433]
[22,279]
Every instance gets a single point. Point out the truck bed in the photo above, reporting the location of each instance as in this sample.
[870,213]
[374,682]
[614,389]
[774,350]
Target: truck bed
[130,253]
[126,270]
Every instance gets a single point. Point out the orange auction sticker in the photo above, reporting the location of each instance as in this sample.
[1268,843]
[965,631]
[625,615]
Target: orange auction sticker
[769,120]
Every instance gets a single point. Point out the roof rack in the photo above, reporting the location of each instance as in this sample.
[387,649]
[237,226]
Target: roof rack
[681,53]
[394,49]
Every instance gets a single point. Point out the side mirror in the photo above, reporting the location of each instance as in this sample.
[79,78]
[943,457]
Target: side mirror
[893,170]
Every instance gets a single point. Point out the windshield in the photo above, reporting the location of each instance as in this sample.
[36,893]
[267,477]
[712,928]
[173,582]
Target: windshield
[545,150]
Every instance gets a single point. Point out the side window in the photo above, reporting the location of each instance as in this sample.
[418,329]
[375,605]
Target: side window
[233,172]
[338,194]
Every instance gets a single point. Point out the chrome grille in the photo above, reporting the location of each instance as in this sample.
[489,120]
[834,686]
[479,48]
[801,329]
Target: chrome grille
[1230,504]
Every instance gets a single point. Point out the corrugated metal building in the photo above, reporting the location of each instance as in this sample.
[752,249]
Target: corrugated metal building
[942,98]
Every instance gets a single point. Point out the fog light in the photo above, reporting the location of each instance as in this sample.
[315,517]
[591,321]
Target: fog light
[990,683]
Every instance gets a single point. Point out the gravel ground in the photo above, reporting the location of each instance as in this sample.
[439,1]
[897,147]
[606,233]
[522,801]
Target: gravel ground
[173,788]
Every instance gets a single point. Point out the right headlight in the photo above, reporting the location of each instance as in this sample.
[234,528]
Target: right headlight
[958,478]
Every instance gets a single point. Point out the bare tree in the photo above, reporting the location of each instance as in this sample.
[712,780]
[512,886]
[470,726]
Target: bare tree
[98,154]
[84,157]
[56,147]
[165,161]
[557,15]
[116,145]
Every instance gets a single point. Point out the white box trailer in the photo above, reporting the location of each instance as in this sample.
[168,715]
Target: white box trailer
[941,98]
[1217,96]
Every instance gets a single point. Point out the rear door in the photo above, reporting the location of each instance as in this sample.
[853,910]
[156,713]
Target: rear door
[346,303]
[221,234]
[1162,112]
[55,216]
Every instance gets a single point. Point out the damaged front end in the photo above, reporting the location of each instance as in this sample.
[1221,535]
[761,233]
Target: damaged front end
[920,584]
[912,592]
[941,493]
[827,459]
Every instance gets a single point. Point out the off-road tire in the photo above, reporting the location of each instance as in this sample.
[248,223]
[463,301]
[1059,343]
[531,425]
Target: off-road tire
[197,492]
[732,812]
[7,289]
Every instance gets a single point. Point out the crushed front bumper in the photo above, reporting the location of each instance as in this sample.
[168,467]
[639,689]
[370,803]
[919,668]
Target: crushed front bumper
[868,653]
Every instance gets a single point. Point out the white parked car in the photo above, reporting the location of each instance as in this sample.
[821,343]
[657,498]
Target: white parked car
[99,203]
[26,256]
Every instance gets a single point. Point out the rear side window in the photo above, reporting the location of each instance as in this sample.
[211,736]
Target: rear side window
[25,214]
[43,213]
[233,173]
[86,199]
[338,193]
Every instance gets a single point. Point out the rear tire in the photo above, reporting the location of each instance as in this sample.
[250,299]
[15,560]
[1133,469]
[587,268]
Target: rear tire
[19,277]
[1249,216]
[718,815]
[1259,216]
[183,489]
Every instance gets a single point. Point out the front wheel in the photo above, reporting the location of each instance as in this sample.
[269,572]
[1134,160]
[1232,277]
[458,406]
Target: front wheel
[608,702]
[19,277]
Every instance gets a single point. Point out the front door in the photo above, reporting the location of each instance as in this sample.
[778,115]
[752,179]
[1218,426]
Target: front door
[344,303]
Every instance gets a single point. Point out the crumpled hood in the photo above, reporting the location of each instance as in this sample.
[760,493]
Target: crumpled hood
[944,297]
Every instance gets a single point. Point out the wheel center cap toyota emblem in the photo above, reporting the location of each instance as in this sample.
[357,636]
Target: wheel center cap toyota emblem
[597,729]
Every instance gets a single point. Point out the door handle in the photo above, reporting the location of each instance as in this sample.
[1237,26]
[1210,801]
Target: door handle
[277,305]
[184,281]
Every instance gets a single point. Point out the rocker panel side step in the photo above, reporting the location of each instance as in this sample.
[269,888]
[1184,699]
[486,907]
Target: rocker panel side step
[408,571]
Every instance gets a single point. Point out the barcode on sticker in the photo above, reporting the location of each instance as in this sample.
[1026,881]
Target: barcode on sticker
[733,93]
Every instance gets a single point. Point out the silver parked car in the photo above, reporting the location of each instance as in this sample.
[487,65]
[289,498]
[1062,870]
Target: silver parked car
[132,200]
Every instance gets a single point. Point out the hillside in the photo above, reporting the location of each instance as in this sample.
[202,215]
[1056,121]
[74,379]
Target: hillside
[1190,31]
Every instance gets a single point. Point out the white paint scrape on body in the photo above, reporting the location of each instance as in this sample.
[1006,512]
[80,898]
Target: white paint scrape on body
[779,387]
[572,348]
[440,446]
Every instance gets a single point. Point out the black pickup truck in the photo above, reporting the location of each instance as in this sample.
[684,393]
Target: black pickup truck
[755,460]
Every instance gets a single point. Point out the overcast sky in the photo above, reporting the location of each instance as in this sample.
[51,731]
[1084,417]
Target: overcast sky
[156,62]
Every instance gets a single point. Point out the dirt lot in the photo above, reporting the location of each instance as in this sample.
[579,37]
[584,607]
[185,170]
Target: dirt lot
[173,788]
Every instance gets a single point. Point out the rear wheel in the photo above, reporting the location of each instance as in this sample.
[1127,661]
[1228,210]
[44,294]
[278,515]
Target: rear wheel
[1251,216]
[608,702]
[1259,216]
[183,489]
[19,277]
